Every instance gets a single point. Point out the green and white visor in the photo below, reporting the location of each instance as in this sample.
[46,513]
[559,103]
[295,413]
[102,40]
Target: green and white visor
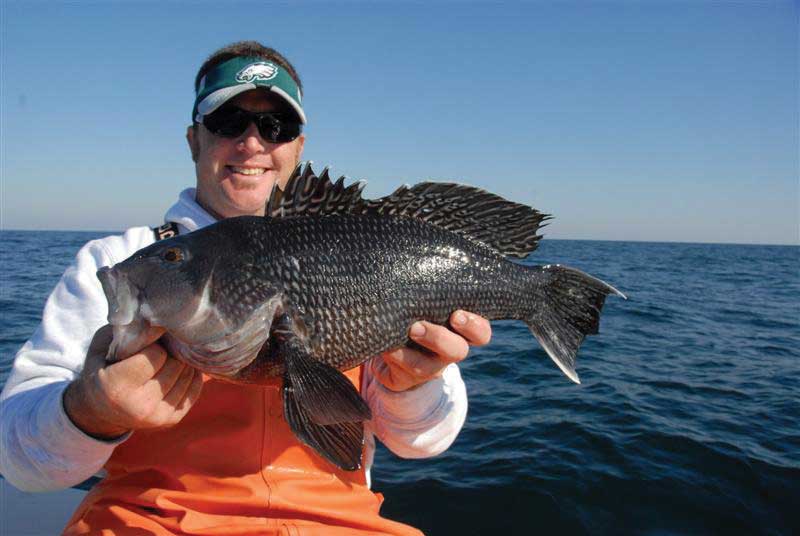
[241,74]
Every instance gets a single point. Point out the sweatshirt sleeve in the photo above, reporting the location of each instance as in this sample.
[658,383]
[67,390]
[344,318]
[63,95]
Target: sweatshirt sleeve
[421,422]
[40,448]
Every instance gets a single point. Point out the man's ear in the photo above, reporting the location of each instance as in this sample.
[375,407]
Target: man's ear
[191,139]
[300,143]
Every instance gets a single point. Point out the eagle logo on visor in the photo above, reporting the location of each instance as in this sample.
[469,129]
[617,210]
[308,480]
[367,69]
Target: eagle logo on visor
[257,71]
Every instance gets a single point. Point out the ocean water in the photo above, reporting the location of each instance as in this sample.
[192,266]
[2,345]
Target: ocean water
[687,420]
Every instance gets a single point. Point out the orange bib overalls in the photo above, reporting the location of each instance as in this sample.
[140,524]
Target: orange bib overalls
[231,466]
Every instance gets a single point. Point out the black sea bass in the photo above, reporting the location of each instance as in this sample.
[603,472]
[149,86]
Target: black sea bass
[327,280]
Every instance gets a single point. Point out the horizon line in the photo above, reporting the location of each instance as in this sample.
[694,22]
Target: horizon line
[780,244]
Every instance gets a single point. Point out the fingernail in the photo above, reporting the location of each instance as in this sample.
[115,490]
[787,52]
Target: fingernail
[460,318]
[417,329]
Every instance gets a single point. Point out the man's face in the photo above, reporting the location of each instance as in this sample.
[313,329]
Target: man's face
[235,175]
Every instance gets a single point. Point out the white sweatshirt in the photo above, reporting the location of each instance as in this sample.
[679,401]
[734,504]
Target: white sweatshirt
[42,450]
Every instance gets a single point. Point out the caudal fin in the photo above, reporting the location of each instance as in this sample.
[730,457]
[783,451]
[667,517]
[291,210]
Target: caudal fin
[568,307]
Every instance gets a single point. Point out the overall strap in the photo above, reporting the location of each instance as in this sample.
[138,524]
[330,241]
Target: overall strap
[168,230]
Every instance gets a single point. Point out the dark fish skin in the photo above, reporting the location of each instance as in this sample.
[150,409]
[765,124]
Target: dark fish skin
[359,282]
[329,280]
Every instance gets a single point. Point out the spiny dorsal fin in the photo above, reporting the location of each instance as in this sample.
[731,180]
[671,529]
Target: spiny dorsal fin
[507,227]
[306,194]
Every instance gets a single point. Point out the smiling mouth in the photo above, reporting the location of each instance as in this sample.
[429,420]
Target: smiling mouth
[248,170]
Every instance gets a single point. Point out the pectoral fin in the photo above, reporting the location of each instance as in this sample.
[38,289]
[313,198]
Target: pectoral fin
[322,407]
[340,443]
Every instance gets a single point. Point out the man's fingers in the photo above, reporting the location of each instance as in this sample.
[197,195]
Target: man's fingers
[181,386]
[139,368]
[391,371]
[151,335]
[179,407]
[166,413]
[472,327]
[447,346]
[408,362]
[169,375]
[381,370]
[96,354]
[191,395]
[147,336]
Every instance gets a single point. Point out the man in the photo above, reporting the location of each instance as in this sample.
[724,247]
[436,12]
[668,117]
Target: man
[185,453]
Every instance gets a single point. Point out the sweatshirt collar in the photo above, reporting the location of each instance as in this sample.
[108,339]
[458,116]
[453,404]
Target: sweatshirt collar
[187,213]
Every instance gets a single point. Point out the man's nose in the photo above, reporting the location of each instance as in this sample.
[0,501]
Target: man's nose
[251,140]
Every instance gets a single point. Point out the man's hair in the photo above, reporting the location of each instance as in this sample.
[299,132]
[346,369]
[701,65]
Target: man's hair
[246,48]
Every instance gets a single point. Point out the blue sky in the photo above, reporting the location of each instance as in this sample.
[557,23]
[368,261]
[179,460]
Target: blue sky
[649,120]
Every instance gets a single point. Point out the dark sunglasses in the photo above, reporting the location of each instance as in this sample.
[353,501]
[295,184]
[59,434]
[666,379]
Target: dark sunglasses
[275,127]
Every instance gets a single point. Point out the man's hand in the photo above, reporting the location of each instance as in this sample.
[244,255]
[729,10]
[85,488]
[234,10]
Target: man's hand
[147,390]
[405,368]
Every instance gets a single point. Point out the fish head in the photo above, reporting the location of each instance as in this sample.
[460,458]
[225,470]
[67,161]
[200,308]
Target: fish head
[163,284]
[203,289]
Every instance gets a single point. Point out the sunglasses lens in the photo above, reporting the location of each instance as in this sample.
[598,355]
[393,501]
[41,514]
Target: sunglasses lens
[278,130]
[227,123]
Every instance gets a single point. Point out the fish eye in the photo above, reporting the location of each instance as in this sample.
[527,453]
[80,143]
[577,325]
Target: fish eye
[173,255]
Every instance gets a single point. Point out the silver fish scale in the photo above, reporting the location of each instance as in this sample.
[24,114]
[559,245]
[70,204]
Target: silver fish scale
[359,282]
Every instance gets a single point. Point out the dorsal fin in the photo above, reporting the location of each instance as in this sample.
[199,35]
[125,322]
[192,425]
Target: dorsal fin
[507,227]
[306,194]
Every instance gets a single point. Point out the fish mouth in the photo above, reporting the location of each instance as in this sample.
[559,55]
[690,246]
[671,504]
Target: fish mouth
[122,300]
